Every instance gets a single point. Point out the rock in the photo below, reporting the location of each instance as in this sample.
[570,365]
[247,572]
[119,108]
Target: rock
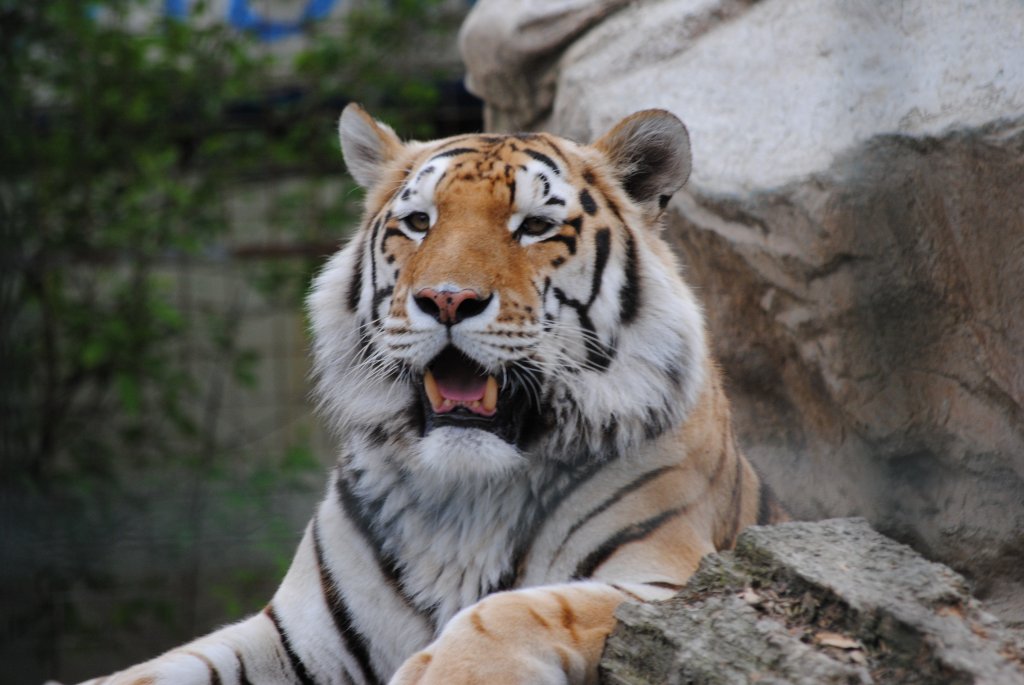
[514,54]
[828,602]
[855,228]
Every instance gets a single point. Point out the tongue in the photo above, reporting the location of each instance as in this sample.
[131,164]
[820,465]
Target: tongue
[466,389]
[455,381]
[448,392]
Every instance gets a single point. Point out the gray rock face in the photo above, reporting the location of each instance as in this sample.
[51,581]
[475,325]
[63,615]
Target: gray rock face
[855,228]
[828,602]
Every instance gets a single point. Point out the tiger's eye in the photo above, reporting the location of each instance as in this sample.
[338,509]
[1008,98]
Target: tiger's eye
[418,221]
[535,226]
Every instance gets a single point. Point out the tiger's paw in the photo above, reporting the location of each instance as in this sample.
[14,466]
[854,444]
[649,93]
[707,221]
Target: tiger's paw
[467,666]
[515,638]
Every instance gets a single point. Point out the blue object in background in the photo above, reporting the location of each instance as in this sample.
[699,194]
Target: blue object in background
[176,9]
[243,17]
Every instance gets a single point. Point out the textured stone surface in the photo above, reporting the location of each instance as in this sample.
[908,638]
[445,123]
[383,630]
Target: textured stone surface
[514,49]
[871,322]
[828,602]
[855,227]
[771,91]
[719,640]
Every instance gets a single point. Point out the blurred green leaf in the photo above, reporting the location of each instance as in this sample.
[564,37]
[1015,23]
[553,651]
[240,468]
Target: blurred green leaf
[94,352]
[245,363]
[129,393]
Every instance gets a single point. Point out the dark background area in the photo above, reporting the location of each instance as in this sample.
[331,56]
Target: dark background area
[170,181]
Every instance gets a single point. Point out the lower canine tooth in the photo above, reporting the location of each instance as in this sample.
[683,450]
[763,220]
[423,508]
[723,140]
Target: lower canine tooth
[490,400]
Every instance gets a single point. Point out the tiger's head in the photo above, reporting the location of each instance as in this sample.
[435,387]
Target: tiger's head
[508,298]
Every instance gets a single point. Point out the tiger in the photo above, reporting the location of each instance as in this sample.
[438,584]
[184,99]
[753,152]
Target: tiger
[531,427]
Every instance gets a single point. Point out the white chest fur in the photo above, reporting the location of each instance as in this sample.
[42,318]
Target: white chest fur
[455,542]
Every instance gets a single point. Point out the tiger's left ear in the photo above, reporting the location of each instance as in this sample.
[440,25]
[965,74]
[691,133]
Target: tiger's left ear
[650,153]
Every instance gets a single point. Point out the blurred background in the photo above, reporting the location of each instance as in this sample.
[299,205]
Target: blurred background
[854,226]
[170,182]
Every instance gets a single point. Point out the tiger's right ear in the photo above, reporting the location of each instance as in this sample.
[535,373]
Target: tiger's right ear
[368,145]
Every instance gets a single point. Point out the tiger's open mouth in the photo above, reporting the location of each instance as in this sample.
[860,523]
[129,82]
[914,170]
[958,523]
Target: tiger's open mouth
[459,392]
[454,381]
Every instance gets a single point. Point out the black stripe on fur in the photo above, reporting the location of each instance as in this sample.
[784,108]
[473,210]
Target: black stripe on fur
[545,160]
[373,261]
[385,562]
[587,202]
[631,533]
[568,240]
[214,676]
[626,489]
[354,641]
[560,487]
[453,152]
[630,293]
[355,286]
[391,233]
[603,248]
[243,673]
[297,666]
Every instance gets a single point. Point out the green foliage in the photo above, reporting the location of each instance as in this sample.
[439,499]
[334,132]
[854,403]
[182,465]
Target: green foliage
[121,148]
[387,58]
[100,183]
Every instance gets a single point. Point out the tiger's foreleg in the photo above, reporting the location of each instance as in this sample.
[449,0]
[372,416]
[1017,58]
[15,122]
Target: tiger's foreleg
[244,653]
[284,643]
[553,634]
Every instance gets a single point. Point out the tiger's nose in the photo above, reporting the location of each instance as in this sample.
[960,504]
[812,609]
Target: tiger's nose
[451,306]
